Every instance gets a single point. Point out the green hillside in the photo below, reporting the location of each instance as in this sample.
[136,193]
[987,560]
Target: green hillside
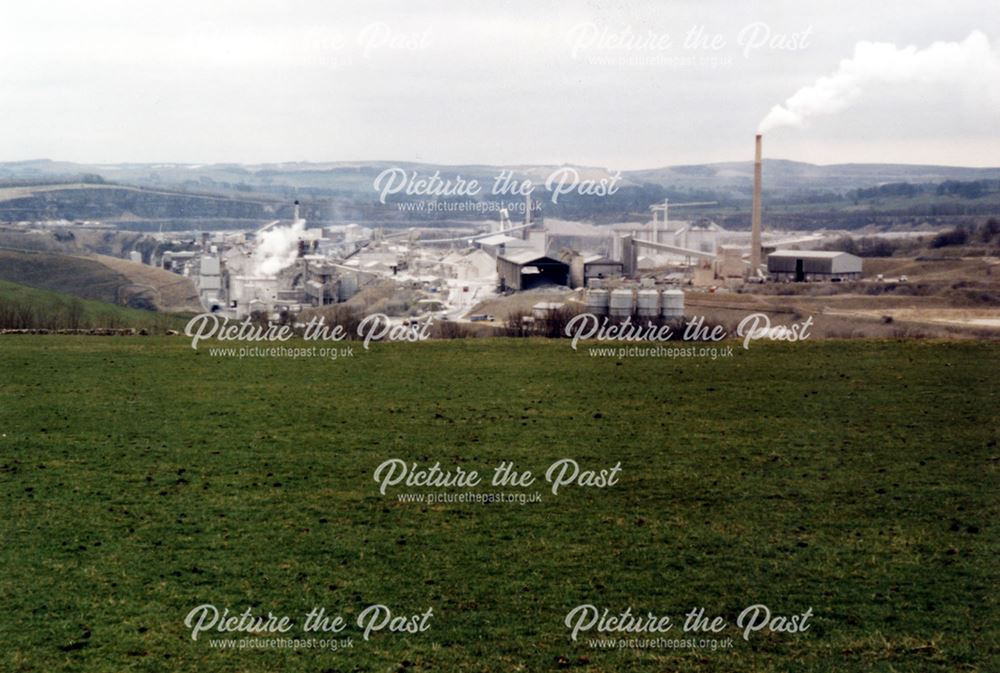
[78,276]
[23,307]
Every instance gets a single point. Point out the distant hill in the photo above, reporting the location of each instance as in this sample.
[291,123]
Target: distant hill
[781,174]
[353,176]
[89,201]
[191,197]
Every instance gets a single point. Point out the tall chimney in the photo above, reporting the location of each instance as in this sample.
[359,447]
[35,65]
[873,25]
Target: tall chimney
[755,217]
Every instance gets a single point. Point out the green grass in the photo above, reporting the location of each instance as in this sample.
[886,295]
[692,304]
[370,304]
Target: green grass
[53,310]
[140,478]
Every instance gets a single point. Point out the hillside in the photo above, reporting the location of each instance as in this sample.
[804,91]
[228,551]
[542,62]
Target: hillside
[170,292]
[23,307]
[101,278]
[123,203]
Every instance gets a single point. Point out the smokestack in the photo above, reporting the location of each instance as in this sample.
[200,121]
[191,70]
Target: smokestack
[755,217]
[295,218]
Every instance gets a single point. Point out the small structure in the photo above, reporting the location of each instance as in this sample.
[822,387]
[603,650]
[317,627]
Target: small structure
[496,244]
[544,310]
[730,264]
[527,270]
[471,265]
[813,265]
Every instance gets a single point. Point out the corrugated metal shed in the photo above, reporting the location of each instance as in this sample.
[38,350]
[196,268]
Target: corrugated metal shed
[527,269]
[803,265]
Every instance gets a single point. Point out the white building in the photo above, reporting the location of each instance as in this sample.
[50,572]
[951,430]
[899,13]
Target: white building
[472,265]
[210,281]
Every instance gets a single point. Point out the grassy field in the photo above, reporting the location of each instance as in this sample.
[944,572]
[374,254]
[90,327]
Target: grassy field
[140,478]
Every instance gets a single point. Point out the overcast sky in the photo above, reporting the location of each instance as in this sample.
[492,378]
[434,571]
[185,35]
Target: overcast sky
[601,83]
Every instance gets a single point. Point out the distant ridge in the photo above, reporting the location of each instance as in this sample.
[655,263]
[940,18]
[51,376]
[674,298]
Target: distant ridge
[350,176]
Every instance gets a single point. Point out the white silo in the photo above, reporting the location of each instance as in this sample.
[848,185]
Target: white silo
[621,303]
[672,304]
[597,301]
[648,302]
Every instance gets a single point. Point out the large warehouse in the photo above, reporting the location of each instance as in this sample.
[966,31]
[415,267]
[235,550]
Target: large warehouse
[811,265]
[526,270]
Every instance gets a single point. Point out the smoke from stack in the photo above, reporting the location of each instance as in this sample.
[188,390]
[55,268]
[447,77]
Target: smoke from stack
[278,248]
[755,213]
[972,62]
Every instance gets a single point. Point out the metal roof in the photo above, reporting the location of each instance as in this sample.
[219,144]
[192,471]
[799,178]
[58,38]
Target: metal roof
[648,226]
[812,254]
[526,257]
[496,239]
[599,259]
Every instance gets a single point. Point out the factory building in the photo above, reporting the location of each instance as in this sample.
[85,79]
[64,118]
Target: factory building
[470,265]
[497,244]
[252,294]
[584,268]
[703,235]
[813,265]
[209,281]
[322,285]
[600,267]
[527,270]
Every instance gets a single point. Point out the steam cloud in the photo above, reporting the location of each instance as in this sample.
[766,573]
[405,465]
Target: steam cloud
[277,249]
[972,61]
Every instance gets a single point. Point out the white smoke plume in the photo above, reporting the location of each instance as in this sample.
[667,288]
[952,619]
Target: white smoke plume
[277,249]
[972,62]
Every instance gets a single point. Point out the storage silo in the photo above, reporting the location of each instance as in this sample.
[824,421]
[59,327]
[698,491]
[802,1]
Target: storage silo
[347,287]
[672,304]
[621,303]
[597,301]
[648,302]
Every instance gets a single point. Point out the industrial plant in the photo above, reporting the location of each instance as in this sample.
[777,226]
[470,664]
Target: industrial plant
[640,268]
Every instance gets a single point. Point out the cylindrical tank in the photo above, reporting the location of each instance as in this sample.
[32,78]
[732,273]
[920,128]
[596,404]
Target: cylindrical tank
[621,303]
[597,302]
[348,287]
[648,302]
[672,304]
